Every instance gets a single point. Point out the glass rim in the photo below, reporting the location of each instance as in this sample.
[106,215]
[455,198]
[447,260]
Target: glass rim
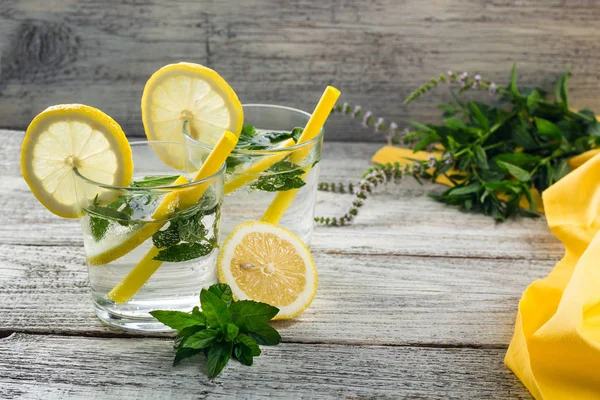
[275,150]
[140,143]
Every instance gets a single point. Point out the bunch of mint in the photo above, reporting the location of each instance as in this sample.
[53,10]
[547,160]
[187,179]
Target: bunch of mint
[223,329]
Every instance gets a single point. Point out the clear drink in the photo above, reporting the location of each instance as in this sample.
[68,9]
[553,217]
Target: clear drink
[153,245]
[261,169]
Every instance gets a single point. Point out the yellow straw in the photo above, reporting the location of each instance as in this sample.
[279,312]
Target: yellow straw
[183,198]
[283,199]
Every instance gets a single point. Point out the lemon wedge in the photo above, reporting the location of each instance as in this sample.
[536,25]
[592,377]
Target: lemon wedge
[189,92]
[264,262]
[69,136]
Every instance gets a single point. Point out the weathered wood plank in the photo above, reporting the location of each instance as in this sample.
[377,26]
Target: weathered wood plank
[399,220]
[59,367]
[361,299]
[101,53]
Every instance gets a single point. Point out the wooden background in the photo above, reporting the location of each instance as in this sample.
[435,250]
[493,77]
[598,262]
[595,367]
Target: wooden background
[376,52]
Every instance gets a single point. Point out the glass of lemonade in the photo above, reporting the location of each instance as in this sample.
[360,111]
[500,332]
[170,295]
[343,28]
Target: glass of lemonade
[152,245]
[261,169]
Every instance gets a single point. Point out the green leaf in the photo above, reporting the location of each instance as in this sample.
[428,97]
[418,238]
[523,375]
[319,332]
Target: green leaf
[231,331]
[424,142]
[522,160]
[281,177]
[547,128]
[593,129]
[185,333]
[264,334]
[481,119]
[480,157]
[420,126]
[247,341]
[250,139]
[561,169]
[455,123]
[184,252]
[154,181]
[98,227]
[166,237]
[215,310]
[515,171]
[198,314]
[564,88]
[249,310]
[243,354]
[177,319]
[183,353]
[223,291]
[191,229]
[532,101]
[462,190]
[448,109]
[201,340]
[514,90]
[218,356]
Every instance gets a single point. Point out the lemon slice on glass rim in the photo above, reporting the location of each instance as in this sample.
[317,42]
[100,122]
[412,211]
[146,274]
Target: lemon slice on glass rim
[189,92]
[68,136]
[264,262]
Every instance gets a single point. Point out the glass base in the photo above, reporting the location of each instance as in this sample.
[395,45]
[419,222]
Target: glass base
[138,324]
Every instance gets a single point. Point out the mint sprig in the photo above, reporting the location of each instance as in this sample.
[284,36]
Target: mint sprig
[284,175]
[251,139]
[222,330]
[186,237]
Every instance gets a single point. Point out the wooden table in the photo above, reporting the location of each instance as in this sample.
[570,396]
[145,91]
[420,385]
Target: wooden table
[416,300]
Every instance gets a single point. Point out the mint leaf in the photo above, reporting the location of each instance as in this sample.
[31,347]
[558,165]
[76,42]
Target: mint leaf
[462,190]
[231,331]
[185,333]
[515,171]
[184,252]
[183,353]
[244,311]
[215,310]
[154,181]
[177,319]
[223,291]
[191,229]
[166,237]
[243,354]
[201,340]
[547,128]
[218,356]
[250,139]
[98,227]
[247,341]
[282,176]
[263,334]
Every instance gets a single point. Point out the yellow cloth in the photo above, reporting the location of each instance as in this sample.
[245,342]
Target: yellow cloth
[555,350]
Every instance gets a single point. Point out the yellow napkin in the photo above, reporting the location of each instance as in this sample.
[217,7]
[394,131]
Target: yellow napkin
[555,350]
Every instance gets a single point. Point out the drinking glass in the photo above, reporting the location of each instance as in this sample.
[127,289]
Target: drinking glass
[152,245]
[253,176]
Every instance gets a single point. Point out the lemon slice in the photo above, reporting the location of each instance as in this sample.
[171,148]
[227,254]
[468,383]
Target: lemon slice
[267,263]
[66,136]
[189,92]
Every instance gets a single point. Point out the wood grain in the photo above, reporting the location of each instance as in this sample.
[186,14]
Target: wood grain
[376,52]
[60,367]
[399,220]
[362,299]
